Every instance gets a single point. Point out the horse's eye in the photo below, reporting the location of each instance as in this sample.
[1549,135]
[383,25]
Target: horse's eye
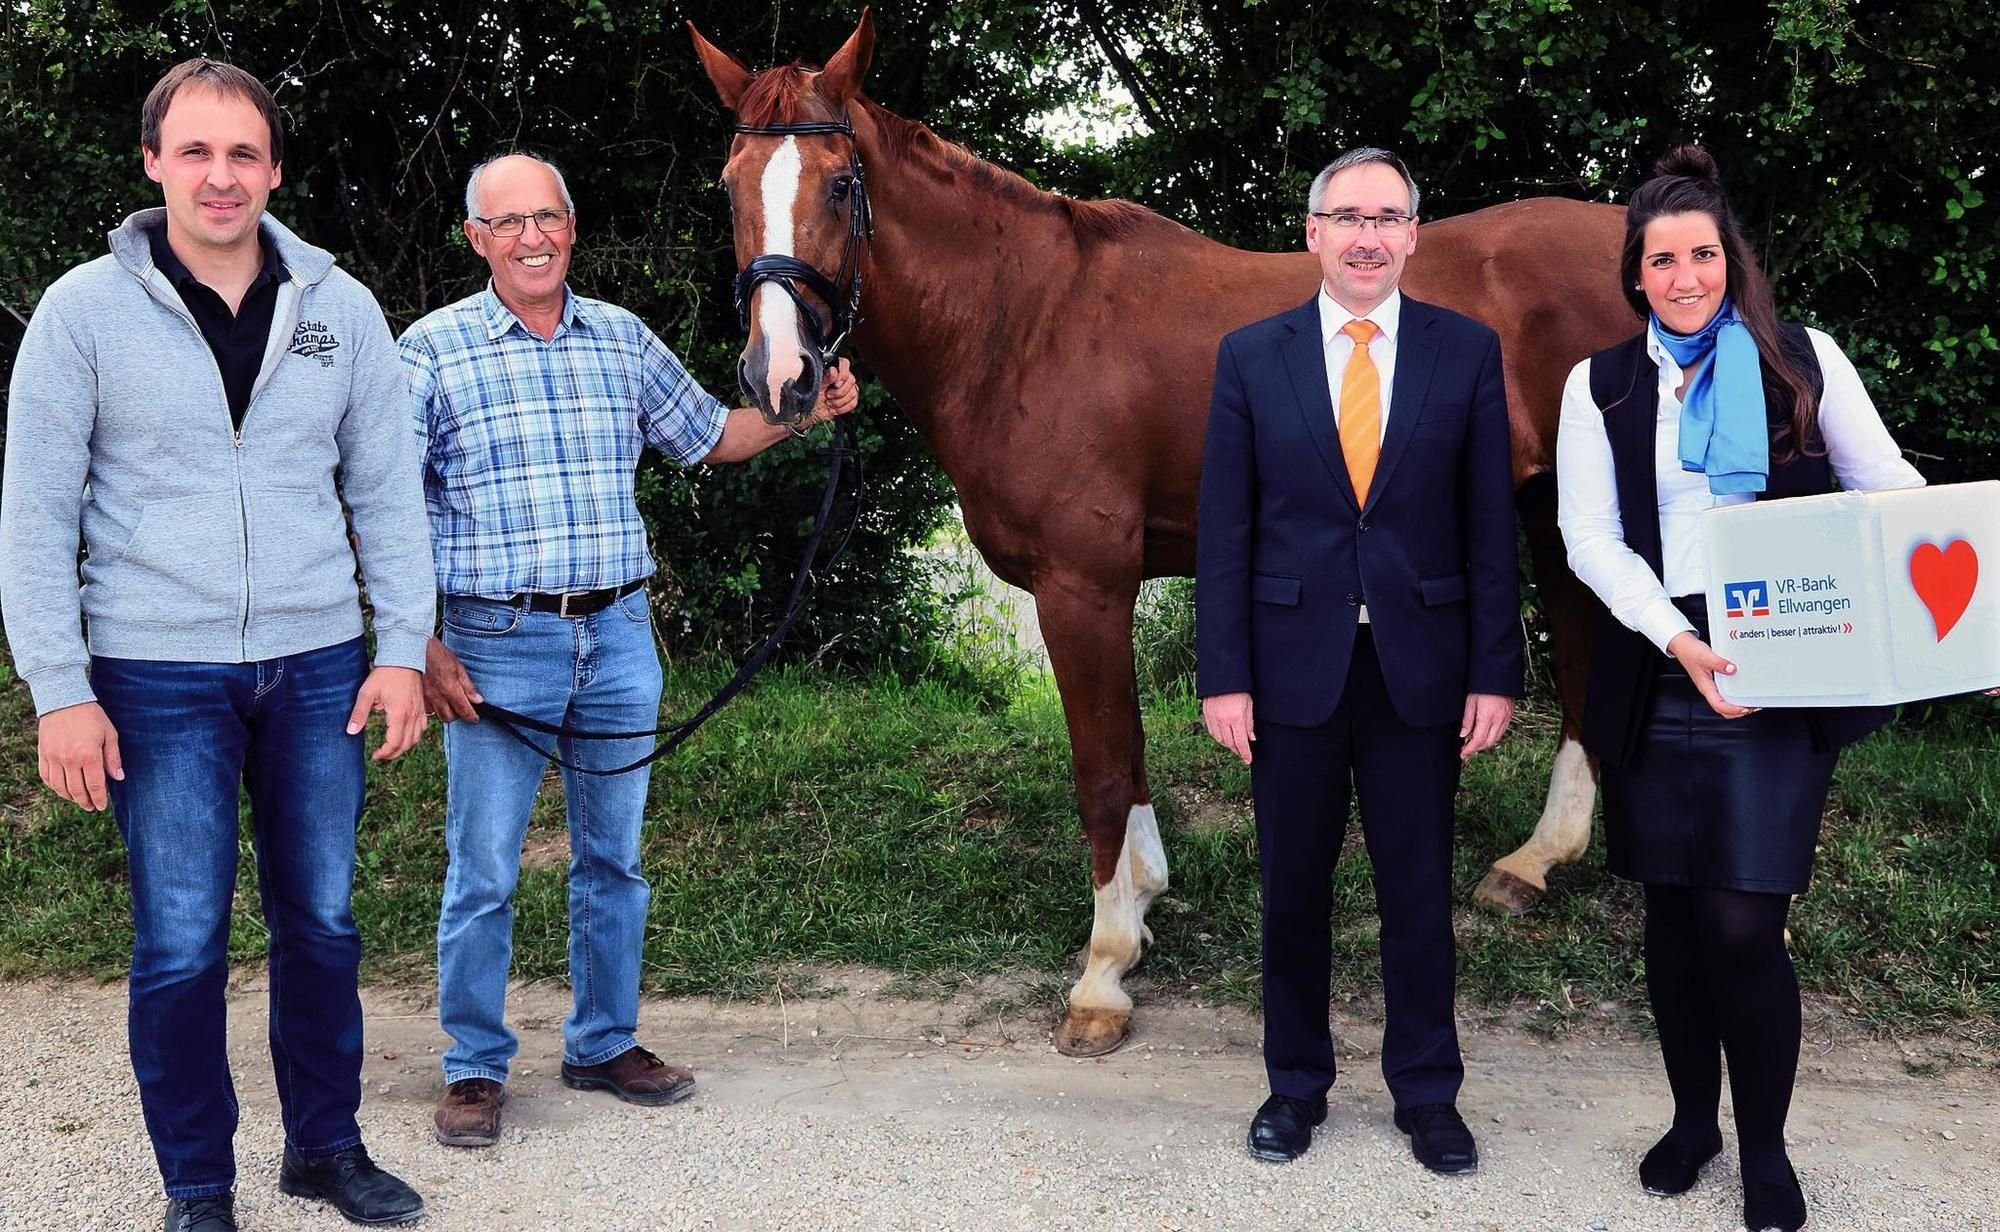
[841,186]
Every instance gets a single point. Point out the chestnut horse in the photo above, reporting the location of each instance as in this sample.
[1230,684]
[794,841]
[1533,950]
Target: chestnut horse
[1057,356]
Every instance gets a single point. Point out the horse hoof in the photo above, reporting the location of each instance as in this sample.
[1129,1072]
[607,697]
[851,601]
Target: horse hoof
[1507,894]
[1091,1033]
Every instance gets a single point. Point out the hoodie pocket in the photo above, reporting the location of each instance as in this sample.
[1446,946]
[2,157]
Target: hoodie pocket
[182,564]
[301,561]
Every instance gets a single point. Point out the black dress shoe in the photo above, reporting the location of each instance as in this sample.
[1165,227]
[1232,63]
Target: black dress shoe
[351,1181]
[1676,1160]
[1283,1128]
[1439,1138]
[211,1214]
[1774,1204]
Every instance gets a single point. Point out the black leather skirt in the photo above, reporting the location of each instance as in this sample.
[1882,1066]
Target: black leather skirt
[1712,802]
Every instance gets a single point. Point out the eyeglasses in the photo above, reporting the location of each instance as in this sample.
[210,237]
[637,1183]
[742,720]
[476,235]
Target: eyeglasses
[1349,222]
[548,222]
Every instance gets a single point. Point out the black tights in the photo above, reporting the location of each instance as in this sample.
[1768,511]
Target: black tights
[1722,982]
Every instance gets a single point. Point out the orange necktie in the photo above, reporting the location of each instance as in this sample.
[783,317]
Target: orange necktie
[1360,410]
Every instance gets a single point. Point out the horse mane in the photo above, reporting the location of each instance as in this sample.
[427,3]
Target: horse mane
[785,95]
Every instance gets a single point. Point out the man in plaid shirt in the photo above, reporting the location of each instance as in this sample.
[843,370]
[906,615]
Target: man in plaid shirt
[533,405]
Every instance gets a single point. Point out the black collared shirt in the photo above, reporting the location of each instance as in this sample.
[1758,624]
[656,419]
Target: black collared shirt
[238,340]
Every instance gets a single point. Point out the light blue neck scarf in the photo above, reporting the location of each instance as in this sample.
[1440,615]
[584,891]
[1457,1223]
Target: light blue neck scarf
[1723,430]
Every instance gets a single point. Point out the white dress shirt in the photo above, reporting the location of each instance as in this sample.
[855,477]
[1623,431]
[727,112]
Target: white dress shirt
[1862,454]
[1387,316]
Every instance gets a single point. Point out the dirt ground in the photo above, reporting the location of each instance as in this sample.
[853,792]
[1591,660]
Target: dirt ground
[857,1108]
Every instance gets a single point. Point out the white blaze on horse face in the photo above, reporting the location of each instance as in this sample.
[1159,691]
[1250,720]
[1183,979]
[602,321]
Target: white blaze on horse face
[1118,935]
[777,315]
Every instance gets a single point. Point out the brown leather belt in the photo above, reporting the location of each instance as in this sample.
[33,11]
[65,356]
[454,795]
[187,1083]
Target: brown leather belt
[577,603]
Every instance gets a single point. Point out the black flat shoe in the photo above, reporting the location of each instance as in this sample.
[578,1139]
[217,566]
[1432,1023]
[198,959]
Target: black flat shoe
[212,1214]
[356,1186]
[1676,1160]
[1774,1204]
[1439,1138]
[1282,1130]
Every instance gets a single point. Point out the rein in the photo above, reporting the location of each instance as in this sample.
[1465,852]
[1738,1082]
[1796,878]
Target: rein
[677,734]
[788,273]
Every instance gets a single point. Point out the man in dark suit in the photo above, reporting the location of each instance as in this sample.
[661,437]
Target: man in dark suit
[1357,617]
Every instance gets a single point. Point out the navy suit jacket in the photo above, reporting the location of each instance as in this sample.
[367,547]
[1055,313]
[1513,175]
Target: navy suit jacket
[1286,556]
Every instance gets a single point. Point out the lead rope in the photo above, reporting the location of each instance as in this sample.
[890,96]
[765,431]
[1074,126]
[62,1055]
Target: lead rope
[676,734]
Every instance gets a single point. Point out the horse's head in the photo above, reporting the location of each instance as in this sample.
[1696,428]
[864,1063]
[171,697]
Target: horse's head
[801,215]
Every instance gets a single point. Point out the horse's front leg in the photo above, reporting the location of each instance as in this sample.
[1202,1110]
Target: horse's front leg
[1088,629]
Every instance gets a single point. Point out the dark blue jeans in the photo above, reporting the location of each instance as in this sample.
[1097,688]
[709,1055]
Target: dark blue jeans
[192,735]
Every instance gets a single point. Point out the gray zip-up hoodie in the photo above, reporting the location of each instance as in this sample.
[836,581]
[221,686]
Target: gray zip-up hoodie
[205,543]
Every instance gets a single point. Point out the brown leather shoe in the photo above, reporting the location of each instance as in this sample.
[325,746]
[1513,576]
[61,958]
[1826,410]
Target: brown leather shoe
[635,1076]
[469,1113]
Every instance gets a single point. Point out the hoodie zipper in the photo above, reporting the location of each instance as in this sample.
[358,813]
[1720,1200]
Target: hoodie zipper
[235,454]
[272,357]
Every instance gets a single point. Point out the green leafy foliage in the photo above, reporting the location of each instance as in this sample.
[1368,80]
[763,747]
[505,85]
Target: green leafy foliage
[1855,140]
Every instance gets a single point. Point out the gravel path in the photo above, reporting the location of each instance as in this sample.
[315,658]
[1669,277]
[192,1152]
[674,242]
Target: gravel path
[865,1111]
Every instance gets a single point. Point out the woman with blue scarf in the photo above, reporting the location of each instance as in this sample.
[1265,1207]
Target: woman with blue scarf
[1713,807]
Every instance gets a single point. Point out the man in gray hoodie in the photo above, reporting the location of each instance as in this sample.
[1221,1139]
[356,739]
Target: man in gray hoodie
[194,409]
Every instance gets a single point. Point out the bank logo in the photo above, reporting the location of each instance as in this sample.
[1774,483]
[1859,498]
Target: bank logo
[1746,599]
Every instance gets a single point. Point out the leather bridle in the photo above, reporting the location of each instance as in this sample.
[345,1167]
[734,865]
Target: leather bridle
[790,273]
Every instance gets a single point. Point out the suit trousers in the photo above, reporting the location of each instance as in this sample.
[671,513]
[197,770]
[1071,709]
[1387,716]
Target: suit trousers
[1404,779]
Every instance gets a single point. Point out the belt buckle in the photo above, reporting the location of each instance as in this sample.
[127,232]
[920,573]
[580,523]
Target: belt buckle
[562,604]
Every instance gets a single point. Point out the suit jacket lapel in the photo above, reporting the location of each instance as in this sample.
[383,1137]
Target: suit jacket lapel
[1305,359]
[1416,360]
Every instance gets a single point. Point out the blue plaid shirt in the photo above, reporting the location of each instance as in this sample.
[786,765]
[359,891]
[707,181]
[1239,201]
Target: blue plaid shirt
[531,446]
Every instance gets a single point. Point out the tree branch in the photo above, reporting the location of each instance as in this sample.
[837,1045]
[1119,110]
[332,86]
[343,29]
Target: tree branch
[1128,72]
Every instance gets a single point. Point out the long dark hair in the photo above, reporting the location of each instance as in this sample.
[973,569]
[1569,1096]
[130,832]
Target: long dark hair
[1686,182]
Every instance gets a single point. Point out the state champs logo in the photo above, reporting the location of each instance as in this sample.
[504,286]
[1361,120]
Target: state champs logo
[315,340]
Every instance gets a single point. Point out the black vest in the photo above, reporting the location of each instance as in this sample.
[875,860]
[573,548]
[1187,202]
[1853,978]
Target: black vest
[1624,382]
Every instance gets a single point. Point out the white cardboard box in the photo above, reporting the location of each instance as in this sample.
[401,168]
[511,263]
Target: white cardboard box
[1857,598]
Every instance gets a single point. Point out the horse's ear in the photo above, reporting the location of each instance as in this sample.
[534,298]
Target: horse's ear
[730,75]
[841,79]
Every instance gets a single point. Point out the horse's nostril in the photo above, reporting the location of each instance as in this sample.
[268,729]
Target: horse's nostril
[799,396]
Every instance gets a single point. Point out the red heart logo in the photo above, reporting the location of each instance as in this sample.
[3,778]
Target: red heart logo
[1944,578]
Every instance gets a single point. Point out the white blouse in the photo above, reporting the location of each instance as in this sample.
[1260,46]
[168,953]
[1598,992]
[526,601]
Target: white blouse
[1863,456]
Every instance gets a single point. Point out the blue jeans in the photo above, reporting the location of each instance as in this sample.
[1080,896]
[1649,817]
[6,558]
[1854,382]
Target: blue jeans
[192,735]
[597,673]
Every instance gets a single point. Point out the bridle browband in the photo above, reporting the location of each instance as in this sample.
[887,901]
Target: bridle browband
[789,272]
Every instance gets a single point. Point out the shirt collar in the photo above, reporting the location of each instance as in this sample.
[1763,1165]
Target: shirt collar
[1387,316]
[1657,350]
[500,318]
[177,272]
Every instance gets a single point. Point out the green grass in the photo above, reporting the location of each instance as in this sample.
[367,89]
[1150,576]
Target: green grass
[925,829]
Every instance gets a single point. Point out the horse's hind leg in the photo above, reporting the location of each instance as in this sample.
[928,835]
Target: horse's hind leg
[1088,629]
[1518,880]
